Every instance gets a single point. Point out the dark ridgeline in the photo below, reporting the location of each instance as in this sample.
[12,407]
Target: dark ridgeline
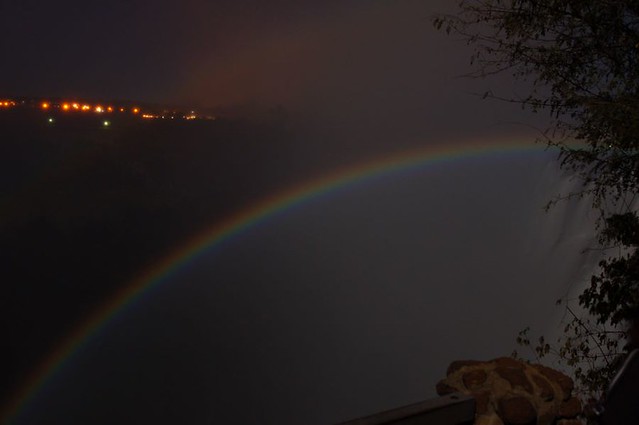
[121,109]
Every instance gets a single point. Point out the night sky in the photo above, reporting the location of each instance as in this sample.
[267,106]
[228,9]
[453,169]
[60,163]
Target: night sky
[349,304]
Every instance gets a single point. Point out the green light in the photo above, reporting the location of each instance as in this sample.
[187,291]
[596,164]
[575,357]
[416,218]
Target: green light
[51,120]
[106,123]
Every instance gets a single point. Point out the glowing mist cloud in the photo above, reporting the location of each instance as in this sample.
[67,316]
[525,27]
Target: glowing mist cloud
[243,220]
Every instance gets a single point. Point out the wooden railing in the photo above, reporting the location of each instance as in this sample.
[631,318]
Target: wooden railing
[453,409]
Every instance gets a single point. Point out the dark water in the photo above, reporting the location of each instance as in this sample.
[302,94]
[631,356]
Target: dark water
[345,306]
[85,208]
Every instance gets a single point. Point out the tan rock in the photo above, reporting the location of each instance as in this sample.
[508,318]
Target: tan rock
[544,388]
[516,377]
[488,420]
[547,418]
[570,422]
[458,364]
[517,411]
[482,401]
[474,379]
[565,383]
[570,408]
[512,392]
[443,388]
[508,362]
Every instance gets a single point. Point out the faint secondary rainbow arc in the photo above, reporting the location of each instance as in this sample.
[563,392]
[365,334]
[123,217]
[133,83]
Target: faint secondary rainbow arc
[233,225]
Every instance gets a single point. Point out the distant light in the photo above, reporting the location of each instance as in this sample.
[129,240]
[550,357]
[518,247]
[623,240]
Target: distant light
[121,109]
[45,105]
[75,106]
[99,109]
[106,123]
[110,108]
[85,107]
[65,106]
[51,120]
[136,110]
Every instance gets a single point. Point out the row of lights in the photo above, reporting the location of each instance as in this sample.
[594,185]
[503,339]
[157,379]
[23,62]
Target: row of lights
[70,106]
[99,109]
[74,106]
[192,116]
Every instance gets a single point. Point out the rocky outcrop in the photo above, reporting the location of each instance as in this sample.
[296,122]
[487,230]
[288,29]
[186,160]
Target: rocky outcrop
[512,392]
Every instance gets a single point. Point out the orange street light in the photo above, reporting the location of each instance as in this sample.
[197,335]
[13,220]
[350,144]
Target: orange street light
[65,107]
[45,105]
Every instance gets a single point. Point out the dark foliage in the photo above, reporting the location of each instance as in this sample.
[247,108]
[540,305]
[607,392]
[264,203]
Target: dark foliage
[581,58]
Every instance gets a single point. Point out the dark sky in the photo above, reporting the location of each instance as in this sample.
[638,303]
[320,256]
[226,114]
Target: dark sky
[360,61]
[155,50]
[351,304]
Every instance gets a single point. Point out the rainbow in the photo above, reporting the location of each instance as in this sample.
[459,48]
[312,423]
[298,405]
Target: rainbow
[233,225]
